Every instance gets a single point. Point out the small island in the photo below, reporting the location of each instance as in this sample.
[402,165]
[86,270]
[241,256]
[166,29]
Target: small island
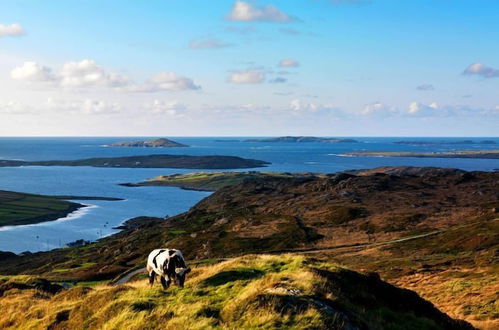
[22,209]
[158,143]
[484,154]
[212,181]
[149,161]
[303,139]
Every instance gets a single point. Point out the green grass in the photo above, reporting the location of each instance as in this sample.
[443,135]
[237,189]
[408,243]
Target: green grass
[249,292]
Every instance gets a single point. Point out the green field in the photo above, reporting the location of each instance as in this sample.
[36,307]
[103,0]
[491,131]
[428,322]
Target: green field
[21,209]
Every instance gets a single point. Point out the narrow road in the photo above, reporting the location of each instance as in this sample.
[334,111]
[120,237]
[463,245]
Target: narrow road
[127,276]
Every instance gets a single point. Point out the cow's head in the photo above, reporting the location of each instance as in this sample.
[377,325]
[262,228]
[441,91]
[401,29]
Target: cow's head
[180,275]
[176,268]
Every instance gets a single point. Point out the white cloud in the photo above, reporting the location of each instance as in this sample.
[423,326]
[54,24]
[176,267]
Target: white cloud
[13,30]
[212,43]
[288,63]
[165,81]
[479,69]
[32,71]
[247,12]
[423,110]
[247,77]
[14,108]
[87,73]
[378,109]
[171,108]
[84,106]
[299,105]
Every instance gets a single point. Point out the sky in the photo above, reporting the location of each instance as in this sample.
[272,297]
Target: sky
[249,68]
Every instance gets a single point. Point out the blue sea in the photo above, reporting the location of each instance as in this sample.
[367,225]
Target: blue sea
[97,220]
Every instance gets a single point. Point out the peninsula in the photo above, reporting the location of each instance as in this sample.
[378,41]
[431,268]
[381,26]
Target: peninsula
[212,181]
[485,154]
[149,161]
[158,143]
[23,209]
[303,139]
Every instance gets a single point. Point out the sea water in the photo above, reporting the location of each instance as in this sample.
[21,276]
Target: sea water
[99,217]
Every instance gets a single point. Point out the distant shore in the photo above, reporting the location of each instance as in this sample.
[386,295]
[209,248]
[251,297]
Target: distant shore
[484,154]
[149,161]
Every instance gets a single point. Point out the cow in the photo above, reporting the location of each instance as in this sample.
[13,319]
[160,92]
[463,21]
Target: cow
[168,264]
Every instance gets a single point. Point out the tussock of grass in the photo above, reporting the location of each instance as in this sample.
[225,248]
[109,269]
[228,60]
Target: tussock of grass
[265,291]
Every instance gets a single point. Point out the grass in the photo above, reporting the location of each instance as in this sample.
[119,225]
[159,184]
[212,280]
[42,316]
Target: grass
[265,291]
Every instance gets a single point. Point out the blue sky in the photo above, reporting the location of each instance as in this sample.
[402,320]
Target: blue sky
[314,67]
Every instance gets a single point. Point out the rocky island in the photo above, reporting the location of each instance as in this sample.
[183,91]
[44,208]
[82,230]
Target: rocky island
[158,143]
[303,139]
[149,161]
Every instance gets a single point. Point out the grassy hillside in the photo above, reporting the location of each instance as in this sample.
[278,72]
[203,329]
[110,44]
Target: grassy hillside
[21,209]
[287,291]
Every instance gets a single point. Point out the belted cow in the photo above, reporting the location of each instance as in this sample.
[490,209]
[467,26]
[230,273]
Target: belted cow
[168,264]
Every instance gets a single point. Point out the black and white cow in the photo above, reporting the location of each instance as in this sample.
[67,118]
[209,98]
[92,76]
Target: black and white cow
[168,264]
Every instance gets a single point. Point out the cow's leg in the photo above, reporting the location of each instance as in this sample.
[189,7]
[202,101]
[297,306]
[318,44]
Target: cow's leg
[165,282]
[152,277]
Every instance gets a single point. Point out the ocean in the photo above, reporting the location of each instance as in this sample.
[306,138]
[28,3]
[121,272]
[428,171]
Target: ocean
[97,220]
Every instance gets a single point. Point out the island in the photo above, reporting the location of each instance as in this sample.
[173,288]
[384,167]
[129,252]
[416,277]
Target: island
[22,209]
[212,181]
[485,154]
[302,139]
[425,143]
[158,143]
[149,161]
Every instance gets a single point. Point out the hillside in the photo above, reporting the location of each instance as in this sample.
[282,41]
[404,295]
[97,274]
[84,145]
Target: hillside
[428,229]
[287,291]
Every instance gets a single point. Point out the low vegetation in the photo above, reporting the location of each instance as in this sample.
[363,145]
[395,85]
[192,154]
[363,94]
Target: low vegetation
[286,291]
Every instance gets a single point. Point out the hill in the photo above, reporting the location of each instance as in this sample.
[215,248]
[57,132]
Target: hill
[286,291]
